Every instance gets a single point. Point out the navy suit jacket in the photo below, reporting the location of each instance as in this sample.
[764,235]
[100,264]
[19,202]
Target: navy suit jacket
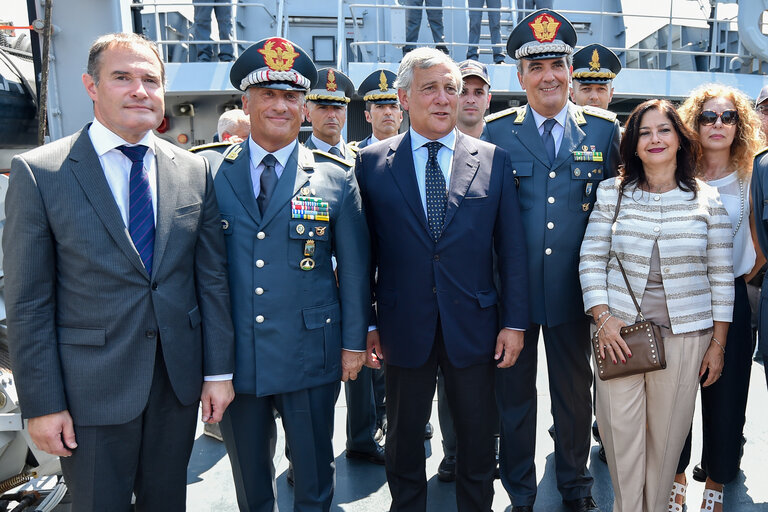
[419,280]
[759,198]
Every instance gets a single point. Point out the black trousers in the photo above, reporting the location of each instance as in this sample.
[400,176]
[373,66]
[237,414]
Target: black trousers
[570,377]
[724,403]
[409,403]
[147,456]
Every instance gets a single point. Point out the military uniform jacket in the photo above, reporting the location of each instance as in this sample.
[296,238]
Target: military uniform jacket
[760,205]
[291,324]
[363,143]
[556,199]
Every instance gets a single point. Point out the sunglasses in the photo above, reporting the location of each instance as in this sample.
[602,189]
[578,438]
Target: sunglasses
[708,117]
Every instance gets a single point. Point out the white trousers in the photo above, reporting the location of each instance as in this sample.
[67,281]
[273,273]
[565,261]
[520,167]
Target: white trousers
[644,420]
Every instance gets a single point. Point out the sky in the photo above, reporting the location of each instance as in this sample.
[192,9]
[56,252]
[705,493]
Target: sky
[637,27]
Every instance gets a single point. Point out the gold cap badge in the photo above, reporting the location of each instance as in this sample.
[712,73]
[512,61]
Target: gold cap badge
[383,86]
[278,54]
[330,84]
[594,64]
[544,28]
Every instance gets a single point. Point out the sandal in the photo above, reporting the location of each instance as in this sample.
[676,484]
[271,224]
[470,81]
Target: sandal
[711,497]
[678,489]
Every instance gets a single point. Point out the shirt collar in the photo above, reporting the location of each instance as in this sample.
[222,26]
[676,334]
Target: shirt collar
[324,146]
[258,153]
[560,117]
[105,140]
[418,140]
[373,139]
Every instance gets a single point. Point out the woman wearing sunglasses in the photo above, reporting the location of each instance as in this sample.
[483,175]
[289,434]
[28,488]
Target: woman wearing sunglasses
[673,238]
[729,132]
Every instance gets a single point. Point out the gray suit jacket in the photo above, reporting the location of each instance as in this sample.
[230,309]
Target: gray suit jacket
[84,317]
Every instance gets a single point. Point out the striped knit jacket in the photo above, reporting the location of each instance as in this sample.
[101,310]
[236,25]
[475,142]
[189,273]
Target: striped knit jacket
[695,239]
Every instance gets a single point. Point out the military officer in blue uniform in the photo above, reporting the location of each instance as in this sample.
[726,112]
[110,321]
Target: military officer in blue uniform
[759,197]
[560,152]
[594,68]
[382,108]
[326,110]
[285,210]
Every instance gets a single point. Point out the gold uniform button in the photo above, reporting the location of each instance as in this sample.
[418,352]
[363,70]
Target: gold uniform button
[259,319]
[548,251]
[551,200]
[261,235]
[552,174]
[550,225]
[259,263]
[259,291]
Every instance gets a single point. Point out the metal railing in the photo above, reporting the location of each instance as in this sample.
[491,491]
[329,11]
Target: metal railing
[359,11]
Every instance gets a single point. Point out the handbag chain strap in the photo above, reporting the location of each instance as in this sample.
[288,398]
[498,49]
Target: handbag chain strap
[621,267]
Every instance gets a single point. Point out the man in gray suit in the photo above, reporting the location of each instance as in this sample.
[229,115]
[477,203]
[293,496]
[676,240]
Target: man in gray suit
[298,331]
[116,292]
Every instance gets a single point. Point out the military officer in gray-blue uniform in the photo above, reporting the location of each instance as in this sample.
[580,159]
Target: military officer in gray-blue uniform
[326,110]
[759,197]
[560,152]
[284,210]
[594,68]
[382,108]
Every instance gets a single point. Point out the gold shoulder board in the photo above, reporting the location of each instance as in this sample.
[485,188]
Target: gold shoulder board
[599,112]
[211,145]
[500,114]
[233,153]
[347,163]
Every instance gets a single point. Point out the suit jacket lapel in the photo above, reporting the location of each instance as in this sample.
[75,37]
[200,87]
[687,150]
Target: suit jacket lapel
[400,164]
[463,170]
[168,180]
[572,137]
[296,173]
[87,170]
[239,177]
[528,134]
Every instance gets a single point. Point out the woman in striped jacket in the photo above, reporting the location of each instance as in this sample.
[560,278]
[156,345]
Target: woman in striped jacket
[674,238]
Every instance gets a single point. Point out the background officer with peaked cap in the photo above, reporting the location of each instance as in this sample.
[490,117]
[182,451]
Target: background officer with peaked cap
[560,152]
[284,210]
[326,109]
[382,108]
[594,68]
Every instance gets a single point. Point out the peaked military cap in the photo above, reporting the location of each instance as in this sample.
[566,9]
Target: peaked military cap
[543,34]
[378,87]
[332,88]
[474,68]
[274,63]
[595,64]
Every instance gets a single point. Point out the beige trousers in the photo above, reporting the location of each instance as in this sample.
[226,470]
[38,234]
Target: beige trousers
[644,420]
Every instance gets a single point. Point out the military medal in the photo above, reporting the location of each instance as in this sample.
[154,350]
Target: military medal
[588,189]
[304,191]
[309,208]
[309,250]
[300,229]
[585,207]
[320,230]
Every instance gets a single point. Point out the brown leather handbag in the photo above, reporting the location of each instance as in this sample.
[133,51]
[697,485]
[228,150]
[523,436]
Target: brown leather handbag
[643,339]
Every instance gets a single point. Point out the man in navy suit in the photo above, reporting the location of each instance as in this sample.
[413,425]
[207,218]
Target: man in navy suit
[561,153]
[438,203]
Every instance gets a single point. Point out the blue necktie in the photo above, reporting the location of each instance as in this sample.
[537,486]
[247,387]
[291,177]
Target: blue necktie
[436,194]
[141,217]
[335,151]
[548,139]
[267,181]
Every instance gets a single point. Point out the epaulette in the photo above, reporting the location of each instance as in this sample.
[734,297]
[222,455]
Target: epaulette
[232,153]
[504,113]
[346,163]
[578,116]
[599,112]
[761,151]
[352,146]
[212,145]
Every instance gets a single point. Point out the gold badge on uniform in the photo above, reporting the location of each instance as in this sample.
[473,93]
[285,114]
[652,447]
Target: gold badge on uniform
[309,251]
[300,229]
[304,191]
[585,207]
[320,230]
[588,189]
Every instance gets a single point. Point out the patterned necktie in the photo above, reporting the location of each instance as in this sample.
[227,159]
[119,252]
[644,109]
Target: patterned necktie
[335,151]
[268,182]
[548,139]
[436,194]
[141,217]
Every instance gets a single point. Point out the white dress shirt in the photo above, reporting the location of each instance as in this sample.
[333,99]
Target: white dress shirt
[558,130]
